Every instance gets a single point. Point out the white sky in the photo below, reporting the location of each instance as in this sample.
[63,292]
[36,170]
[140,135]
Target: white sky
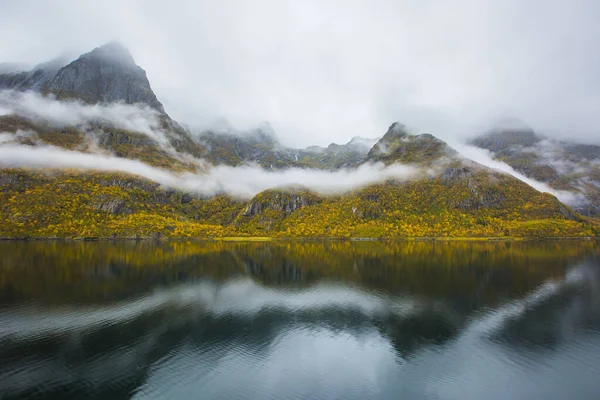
[325,71]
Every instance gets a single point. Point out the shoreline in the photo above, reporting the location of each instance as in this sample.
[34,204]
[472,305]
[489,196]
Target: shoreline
[292,238]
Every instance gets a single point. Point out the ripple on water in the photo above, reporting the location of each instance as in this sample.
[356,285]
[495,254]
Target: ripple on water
[387,329]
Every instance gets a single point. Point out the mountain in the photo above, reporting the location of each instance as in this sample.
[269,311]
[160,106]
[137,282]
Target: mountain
[96,204]
[35,79]
[399,146]
[261,146]
[562,165]
[104,75]
[447,195]
[336,156]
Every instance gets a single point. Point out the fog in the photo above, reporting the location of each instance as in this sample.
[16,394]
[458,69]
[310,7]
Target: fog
[246,181]
[324,72]
[484,157]
[48,110]
[243,182]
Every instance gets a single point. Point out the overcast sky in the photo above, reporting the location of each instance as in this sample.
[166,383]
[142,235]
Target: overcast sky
[323,71]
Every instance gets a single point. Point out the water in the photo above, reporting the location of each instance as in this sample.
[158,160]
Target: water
[299,320]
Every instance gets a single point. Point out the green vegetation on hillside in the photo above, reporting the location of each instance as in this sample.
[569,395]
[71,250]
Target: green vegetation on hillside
[119,142]
[101,205]
[397,145]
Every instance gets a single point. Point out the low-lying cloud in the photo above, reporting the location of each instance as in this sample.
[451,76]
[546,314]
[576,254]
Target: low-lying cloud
[248,180]
[242,182]
[47,109]
[484,157]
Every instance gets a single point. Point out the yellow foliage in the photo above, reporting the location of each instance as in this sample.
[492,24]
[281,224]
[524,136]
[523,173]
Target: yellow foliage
[70,204]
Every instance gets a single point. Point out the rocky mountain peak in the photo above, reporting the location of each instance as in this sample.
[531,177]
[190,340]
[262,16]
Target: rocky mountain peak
[113,52]
[104,75]
[262,133]
[398,145]
[397,130]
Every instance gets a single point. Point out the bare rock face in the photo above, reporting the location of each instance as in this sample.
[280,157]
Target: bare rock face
[454,174]
[113,206]
[104,75]
[489,198]
[280,202]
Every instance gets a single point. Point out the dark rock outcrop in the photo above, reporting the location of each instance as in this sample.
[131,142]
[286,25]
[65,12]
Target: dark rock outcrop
[104,75]
[113,206]
[282,202]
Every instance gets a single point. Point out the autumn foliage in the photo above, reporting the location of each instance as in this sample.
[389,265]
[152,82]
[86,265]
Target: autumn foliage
[70,204]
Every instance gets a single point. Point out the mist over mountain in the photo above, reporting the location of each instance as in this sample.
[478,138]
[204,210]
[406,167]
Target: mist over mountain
[95,129]
[318,82]
[563,165]
[398,145]
[104,75]
[35,79]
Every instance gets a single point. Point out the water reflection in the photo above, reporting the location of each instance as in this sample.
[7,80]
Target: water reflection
[299,320]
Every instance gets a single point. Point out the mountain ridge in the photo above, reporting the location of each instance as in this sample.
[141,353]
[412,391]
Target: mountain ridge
[566,166]
[448,196]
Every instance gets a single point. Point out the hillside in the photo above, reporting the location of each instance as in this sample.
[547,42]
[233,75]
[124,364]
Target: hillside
[101,105]
[562,165]
[124,116]
[77,204]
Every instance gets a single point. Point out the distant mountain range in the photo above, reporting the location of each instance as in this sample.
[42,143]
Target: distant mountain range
[120,118]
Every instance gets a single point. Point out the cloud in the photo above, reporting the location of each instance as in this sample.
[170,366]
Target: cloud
[324,72]
[246,181]
[484,157]
[47,109]
[13,138]
[243,182]
[553,153]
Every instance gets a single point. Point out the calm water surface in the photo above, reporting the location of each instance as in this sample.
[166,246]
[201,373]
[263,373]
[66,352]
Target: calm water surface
[299,320]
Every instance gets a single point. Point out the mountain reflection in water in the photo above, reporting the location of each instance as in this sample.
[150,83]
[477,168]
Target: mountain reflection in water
[347,320]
